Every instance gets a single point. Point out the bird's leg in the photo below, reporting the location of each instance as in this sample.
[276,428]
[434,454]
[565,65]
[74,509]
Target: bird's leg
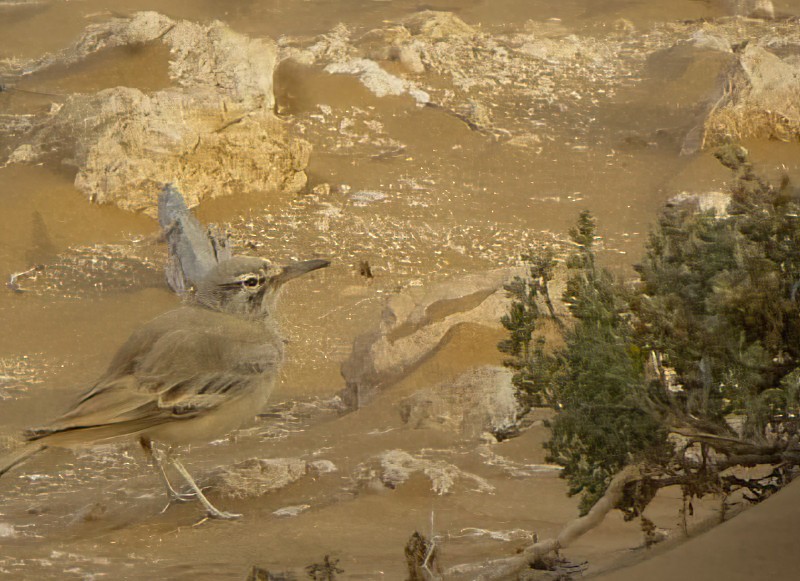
[158,457]
[211,510]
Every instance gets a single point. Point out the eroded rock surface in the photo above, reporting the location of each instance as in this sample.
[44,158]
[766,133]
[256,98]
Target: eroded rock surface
[394,467]
[764,95]
[704,202]
[480,400]
[467,71]
[481,76]
[413,325]
[214,133]
[256,476]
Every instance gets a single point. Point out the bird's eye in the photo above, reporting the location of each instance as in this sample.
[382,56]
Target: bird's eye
[250,281]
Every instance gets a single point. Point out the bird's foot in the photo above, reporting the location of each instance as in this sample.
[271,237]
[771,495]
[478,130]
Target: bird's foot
[211,510]
[222,515]
[178,498]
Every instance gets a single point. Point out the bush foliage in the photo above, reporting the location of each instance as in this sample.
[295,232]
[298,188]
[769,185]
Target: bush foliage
[709,331]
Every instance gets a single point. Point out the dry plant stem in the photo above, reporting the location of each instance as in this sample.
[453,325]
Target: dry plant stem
[426,564]
[505,568]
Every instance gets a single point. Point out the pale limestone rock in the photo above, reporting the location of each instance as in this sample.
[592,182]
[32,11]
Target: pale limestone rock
[409,56]
[438,25]
[25,153]
[7,531]
[255,477]
[765,102]
[413,325]
[320,467]
[754,8]
[215,56]
[213,134]
[716,201]
[479,400]
[376,79]
[141,28]
[394,467]
[708,40]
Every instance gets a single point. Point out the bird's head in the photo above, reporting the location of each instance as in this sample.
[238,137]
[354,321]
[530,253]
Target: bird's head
[245,285]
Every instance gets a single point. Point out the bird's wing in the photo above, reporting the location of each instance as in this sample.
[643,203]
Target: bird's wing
[184,373]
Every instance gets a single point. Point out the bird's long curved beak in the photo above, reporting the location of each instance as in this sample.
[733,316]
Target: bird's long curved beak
[296,269]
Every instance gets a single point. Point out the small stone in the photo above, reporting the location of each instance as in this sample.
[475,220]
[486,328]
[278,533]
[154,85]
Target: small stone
[289,511]
[409,57]
[394,467]
[90,513]
[322,467]
[255,477]
[321,189]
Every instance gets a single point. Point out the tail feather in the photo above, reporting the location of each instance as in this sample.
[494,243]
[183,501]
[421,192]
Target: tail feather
[77,435]
[19,455]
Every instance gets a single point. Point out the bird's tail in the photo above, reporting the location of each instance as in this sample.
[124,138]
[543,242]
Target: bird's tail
[19,455]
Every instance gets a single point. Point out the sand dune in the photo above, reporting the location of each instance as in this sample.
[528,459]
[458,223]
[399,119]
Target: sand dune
[759,544]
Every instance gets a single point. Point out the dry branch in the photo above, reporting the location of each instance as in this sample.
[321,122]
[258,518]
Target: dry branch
[505,568]
[615,497]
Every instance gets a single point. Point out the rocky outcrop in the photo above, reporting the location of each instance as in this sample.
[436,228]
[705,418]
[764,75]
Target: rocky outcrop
[717,202]
[377,80]
[753,8]
[480,400]
[257,476]
[214,133]
[415,323]
[467,71]
[763,100]
[394,467]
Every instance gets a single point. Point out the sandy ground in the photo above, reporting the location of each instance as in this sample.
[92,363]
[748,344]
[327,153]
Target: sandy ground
[454,200]
[760,543]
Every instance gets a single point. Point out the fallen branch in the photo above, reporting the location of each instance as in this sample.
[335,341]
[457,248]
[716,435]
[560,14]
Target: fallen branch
[505,568]
[614,497]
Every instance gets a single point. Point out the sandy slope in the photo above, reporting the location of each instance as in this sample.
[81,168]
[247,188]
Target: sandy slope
[759,544]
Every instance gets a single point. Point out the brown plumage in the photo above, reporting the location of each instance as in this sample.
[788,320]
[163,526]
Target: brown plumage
[190,375]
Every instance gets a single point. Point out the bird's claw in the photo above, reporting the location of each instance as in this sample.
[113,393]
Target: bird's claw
[178,498]
[182,497]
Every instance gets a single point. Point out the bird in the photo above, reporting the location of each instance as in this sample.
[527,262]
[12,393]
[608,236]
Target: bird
[190,375]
